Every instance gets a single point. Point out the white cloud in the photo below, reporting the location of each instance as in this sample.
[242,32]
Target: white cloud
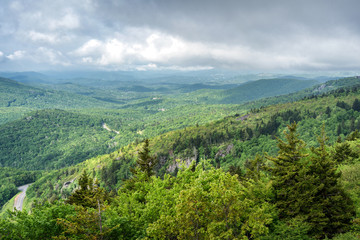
[170,34]
[150,66]
[50,56]
[157,50]
[17,55]
[114,52]
[42,37]
[1,56]
[48,38]
[69,21]
[153,48]
[91,47]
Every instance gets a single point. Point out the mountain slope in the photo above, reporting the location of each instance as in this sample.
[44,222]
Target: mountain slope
[47,139]
[226,143]
[52,139]
[15,94]
[264,88]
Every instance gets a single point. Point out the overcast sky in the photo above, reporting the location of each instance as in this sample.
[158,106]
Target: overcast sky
[258,35]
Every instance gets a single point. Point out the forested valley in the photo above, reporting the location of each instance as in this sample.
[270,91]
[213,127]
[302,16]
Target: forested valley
[198,161]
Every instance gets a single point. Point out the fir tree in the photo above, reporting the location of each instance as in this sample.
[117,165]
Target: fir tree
[288,175]
[338,130]
[329,209]
[255,168]
[328,111]
[145,162]
[353,136]
[89,194]
[343,153]
[356,105]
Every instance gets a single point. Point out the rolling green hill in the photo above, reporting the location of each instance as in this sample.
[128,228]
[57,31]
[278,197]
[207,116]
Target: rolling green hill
[14,94]
[152,206]
[51,139]
[228,143]
[17,99]
[264,88]
[54,139]
[47,139]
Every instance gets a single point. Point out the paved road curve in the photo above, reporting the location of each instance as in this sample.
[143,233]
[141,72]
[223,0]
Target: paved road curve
[19,199]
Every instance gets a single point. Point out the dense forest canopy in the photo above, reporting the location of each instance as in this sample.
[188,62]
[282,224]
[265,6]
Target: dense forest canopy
[165,167]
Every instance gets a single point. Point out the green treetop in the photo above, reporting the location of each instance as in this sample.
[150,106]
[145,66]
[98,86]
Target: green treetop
[329,209]
[89,194]
[288,174]
[145,162]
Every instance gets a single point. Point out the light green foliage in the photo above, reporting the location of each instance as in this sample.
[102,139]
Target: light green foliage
[198,204]
[83,224]
[293,229]
[40,224]
[51,139]
[15,94]
[350,179]
[11,179]
[225,142]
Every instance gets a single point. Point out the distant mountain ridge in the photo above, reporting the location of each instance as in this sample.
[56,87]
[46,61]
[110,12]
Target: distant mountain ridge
[265,88]
[13,93]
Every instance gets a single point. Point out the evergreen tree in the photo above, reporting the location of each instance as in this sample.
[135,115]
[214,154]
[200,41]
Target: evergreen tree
[288,175]
[338,130]
[352,124]
[89,194]
[343,153]
[91,199]
[328,111]
[145,162]
[343,105]
[329,209]
[255,168]
[356,105]
[235,169]
[353,136]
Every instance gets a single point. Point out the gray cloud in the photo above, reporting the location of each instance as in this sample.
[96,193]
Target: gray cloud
[116,34]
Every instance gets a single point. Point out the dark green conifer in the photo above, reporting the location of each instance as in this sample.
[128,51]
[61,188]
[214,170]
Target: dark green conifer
[343,153]
[338,130]
[329,209]
[89,194]
[235,169]
[288,175]
[145,162]
[254,168]
[328,111]
[356,105]
[353,135]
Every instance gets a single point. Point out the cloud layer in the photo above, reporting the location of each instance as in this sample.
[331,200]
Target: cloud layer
[159,34]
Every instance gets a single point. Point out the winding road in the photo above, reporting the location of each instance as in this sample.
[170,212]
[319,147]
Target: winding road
[19,199]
